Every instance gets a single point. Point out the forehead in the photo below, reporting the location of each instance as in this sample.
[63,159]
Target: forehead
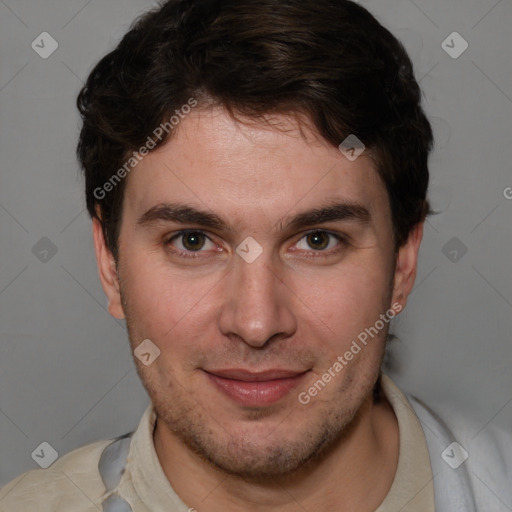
[251,169]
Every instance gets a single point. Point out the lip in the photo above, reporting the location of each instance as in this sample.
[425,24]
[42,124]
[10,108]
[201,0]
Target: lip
[255,389]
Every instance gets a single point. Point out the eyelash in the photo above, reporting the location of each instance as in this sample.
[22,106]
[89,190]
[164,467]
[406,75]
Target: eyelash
[342,243]
[185,254]
[312,253]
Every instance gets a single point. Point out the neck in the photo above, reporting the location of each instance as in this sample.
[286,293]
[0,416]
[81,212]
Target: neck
[355,474]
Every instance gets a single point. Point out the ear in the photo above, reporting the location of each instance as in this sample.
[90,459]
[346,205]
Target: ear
[107,271]
[406,266]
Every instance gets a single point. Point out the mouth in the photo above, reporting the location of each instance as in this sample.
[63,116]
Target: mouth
[255,389]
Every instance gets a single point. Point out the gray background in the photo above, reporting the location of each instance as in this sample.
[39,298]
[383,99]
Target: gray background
[66,373]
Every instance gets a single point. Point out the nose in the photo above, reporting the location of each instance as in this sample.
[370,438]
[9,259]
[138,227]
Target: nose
[257,304]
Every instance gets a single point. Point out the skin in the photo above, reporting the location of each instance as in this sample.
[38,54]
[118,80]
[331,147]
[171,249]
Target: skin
[298,306]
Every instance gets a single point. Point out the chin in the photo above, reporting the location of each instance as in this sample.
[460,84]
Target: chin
[252,454]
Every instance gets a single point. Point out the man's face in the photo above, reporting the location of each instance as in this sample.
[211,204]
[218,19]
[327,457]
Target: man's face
[240,339]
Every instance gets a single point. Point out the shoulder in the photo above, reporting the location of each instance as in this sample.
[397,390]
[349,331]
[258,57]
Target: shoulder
[73,483]
[460,445]
[478,437]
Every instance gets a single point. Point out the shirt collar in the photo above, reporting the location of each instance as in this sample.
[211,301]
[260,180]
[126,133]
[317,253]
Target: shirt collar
[412,487]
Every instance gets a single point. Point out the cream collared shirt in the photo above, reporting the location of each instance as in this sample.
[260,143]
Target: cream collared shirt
[73,482]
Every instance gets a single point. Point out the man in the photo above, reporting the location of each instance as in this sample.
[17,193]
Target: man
[257,173]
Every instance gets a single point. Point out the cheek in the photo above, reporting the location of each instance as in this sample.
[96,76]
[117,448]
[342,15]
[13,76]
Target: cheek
[163,304]
[346,300]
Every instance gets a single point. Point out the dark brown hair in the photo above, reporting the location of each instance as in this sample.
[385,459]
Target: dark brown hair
[328,60]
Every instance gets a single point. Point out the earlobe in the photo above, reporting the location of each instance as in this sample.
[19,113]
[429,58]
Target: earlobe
[107,270]
[406,266]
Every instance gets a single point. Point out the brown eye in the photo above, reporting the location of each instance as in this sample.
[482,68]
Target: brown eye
[318,240]
[320,243]
[191,246]
[193,241]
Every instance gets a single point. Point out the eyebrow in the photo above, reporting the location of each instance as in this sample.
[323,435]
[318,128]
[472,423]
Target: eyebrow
[184,214]
[337,211]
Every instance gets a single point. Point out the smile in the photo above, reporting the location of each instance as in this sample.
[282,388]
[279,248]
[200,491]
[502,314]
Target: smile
[255,389]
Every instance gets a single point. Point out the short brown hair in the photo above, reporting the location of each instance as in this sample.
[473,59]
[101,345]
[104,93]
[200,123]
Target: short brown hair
[330,60]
